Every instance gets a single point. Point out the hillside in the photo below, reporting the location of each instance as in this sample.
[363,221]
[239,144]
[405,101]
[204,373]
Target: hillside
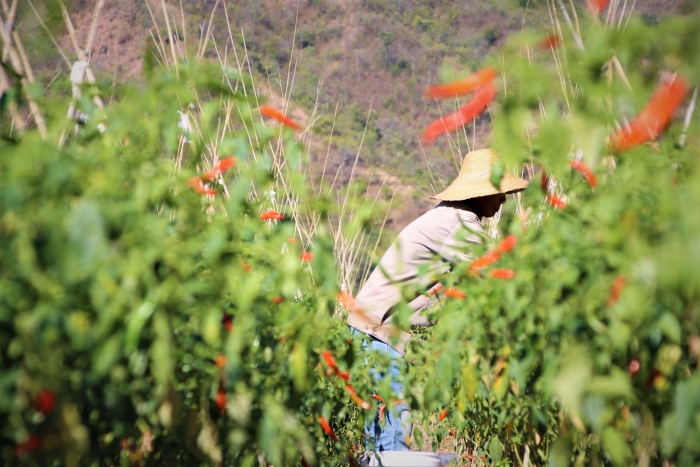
[356,67]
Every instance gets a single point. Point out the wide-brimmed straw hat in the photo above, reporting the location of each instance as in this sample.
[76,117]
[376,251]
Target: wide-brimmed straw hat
[474,181]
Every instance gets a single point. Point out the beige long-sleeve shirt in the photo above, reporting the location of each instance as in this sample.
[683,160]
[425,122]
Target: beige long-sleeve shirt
[423,250]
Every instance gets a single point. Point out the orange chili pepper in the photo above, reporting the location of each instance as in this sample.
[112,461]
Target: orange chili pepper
[223,165]
[587,173]
[443,414]
[507,244]
[357,399]
[307,256]
[271,215]
[617,286]
[454,293]
[556,201]
[462,86]
[277,300]
[279,116]
[327,428]
[437,288]
[461,117]
[486,260]
[502,273]
[221,360]
[655,116]
[245,266]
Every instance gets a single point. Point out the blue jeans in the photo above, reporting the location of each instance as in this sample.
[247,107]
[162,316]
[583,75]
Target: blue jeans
[394,431]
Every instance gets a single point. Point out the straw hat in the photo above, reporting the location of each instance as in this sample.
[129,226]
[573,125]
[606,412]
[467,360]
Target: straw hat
[474,181]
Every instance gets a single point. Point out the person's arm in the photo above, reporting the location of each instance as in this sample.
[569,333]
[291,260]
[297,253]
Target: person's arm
[456,248]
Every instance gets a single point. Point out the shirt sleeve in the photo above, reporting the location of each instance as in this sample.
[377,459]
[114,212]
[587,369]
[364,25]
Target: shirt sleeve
[456,248]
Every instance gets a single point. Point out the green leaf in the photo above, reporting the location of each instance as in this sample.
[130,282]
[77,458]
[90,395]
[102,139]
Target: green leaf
[470,381]
[299,361]
[106,355]
[211,329]
[497,173]
[161,352]
[135,324]
[495,449]
[560,454]
[615,445]
[670,327]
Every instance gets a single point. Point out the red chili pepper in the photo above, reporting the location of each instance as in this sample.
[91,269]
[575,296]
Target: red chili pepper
[200,187]
[654,117]
[587,173]
[461,117]
[596,6]
[307,256]
[463,86]
[507,244]
[550,42]
[443,414]
[221,167]
[502,273]
[330,361]
[227,321]
[221,400]
[556,201]
[271,215]
[245,266]
[32,443]
[45,401]
[327,428]
[279,116]
[343,375]
[378,397]
[617,286]
[277,300]
[454,293]
[633,368]
[486,260]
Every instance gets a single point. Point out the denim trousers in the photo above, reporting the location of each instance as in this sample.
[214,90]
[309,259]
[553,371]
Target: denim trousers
[392,431]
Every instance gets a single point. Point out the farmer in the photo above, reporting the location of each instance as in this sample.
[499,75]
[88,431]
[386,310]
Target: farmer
[431,244]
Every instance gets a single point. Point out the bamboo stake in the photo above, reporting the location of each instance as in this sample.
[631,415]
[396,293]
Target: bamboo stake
[688,116]
[160,39]
[200,53]
[10,12]
[93,28]
[170,36]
